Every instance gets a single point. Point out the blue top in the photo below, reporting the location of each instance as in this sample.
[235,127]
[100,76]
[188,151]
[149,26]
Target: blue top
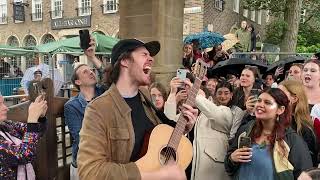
[73,112]
[260,167]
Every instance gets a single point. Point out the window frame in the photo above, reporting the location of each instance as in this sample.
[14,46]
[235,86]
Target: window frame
[253,16]
[82,6]
[4,14]
[236,6]
[115,4]
[37,12]
[259,20]
[245,13]
[56,12]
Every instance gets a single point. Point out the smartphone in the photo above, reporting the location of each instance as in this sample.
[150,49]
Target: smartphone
[84,39]
[255,93]
[182,74]
[244,142]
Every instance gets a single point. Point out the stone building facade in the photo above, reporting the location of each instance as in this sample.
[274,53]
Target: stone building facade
[50,20]
[220,16]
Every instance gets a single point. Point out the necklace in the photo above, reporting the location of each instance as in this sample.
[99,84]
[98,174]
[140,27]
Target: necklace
[266,134]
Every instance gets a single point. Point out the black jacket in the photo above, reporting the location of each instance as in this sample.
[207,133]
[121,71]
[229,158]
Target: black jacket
[309,137]
[297,156]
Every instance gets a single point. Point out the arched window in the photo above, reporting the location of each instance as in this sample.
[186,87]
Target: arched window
[47,38]
[13,41]
[30,41]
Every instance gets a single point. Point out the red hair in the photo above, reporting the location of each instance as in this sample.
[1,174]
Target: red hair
[281,123]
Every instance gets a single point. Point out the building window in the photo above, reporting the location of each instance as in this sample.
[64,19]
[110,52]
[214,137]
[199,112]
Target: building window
[268,16]
[259,16]
[110,6]
[3,12]
[253,15]
[303,15]
[13,41]
[56,9]
[245,12]
[236,4]
[218,4]
[30,41]
[84,7]
[36,10]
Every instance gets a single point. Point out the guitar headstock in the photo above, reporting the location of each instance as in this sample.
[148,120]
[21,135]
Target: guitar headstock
[200,69]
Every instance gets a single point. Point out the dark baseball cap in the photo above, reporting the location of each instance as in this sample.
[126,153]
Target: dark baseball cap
[127,45]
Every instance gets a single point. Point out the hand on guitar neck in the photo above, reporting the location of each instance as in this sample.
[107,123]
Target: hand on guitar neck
[171,171]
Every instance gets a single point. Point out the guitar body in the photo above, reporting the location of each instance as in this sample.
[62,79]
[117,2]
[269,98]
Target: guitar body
[159,139]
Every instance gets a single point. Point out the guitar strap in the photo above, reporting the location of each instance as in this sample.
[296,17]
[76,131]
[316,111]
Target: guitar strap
[164,119]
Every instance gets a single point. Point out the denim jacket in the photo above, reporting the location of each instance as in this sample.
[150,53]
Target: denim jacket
[73,112]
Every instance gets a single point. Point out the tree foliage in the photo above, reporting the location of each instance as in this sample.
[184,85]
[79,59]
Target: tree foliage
[308,39]
[275,31]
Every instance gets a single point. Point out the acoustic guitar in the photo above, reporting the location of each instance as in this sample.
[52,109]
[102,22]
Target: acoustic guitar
[167,143]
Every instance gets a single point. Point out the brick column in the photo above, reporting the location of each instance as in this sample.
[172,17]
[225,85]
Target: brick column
[160,20]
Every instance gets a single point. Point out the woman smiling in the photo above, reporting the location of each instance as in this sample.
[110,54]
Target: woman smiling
[274,147]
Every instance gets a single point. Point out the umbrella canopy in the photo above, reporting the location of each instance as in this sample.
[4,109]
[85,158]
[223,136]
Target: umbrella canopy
[46,73]
[285,63]
[205,39]
[103,44]
[9,51]
[235,66]
[229,42]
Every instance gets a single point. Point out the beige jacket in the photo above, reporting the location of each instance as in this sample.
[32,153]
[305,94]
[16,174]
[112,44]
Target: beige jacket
[212,130]
[107,138]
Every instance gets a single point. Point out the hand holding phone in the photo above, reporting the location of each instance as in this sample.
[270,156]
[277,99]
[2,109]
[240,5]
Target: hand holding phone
[255,93]
[182,74]
[84,39]
[244,142]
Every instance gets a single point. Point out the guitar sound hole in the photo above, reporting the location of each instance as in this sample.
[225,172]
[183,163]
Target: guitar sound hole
[166,154]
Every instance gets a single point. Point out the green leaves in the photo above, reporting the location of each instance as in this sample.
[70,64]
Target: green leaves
[273,5]
[275,31]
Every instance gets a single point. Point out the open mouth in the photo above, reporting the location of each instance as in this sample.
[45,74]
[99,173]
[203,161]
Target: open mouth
[147,69]
[307,79]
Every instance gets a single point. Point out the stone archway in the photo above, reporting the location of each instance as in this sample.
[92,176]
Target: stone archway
[13,41]
[29,41]
[47,38]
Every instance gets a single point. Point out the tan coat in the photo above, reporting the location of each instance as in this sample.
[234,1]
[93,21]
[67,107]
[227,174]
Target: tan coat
[107,138]
[212,130]
[210,143]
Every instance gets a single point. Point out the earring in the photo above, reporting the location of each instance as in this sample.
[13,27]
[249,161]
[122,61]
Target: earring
[278,119]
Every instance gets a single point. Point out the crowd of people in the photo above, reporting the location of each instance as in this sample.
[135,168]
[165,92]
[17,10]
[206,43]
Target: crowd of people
[241,127]
[246,42]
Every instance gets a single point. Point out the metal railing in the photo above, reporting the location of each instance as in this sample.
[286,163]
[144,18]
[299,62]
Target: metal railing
[268,57]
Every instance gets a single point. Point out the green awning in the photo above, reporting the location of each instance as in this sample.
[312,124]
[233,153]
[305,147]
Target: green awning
[104,45]
[10,51]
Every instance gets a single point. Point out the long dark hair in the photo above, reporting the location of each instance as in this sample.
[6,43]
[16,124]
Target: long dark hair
[281,124]
[225,84]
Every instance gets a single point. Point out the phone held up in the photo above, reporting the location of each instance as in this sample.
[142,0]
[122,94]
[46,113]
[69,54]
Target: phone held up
[255,93]
[84,39]
[244,142]
[182,75]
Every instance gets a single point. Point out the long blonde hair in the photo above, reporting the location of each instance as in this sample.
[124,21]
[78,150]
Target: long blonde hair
[301,108]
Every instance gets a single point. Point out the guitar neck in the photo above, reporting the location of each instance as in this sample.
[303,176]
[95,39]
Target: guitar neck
[182,122]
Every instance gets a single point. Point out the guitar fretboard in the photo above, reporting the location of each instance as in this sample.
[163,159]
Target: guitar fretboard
[178,131]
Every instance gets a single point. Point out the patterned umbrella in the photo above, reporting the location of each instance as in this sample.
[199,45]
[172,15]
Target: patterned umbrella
[206,39]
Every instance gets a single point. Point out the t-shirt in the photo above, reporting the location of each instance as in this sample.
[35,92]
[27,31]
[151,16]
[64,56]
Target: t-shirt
[141,124]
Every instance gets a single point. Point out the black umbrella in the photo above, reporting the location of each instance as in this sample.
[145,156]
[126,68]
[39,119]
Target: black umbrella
[235,66]
[285,63]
